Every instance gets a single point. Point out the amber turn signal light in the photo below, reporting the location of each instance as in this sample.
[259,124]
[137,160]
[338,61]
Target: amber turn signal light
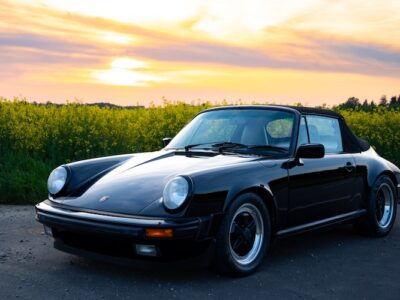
[159,233]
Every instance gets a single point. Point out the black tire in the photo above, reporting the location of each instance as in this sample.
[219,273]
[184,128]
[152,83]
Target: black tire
[380,217]
[245,210]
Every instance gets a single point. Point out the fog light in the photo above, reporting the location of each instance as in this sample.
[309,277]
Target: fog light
[146,250]
[159,233]
[48,230]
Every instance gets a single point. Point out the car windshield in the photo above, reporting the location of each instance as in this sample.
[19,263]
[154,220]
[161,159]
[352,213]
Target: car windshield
[249,130]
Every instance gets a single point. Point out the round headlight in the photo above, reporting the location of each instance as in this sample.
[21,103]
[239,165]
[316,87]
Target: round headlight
[57,180]
[175,193]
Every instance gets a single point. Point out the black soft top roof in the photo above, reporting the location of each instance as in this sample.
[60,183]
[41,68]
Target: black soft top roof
[300,109]
[316,111]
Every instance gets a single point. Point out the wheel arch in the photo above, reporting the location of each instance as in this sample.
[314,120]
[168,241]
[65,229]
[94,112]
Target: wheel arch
[392,176]
[265,195]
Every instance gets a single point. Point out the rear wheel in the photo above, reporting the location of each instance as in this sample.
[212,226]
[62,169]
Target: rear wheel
[243,236]
[381,210]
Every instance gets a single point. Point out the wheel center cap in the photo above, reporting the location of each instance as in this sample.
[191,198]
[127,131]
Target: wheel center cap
[247,234]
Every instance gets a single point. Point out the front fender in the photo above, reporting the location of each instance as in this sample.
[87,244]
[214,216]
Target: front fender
[215,191]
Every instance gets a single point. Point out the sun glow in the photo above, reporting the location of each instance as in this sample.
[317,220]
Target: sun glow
[125,72]
[131,11]
[127,63]
[116,38]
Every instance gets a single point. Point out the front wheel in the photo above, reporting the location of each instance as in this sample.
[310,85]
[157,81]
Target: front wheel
[382,208]
[243,237]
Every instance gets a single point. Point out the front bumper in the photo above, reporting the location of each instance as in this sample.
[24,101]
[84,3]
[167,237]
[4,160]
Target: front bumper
[117,235]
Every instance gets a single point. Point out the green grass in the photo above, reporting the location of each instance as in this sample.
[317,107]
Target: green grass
[34,139]
[22,178]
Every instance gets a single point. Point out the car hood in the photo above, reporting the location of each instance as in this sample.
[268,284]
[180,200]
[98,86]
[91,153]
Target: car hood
[139,182]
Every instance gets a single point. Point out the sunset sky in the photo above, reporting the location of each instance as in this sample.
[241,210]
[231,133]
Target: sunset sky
[128,52]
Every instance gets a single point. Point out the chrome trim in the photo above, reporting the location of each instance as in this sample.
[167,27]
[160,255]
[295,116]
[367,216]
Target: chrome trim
[387,205]
[258,241]
[322,223]
[45,208]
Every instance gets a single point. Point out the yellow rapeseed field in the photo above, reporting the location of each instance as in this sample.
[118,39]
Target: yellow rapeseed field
[36,138]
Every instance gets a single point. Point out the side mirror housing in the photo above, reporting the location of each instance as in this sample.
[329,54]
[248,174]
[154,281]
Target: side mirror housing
[166,141]
[310,151]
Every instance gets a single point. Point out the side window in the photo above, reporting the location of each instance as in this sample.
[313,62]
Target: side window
[325,131]
[303,135]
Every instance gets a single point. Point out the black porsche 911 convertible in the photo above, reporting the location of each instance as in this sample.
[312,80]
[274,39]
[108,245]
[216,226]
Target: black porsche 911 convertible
[228,183]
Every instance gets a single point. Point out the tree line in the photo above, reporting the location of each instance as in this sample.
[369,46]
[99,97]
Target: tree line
[384,102]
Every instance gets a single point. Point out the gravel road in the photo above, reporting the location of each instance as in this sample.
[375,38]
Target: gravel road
[333,263]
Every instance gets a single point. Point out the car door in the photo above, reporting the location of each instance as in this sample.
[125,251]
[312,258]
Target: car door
[321,188]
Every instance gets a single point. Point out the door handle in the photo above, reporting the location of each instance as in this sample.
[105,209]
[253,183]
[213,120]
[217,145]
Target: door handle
[349,167]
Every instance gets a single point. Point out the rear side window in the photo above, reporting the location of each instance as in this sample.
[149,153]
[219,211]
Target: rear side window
[325,131]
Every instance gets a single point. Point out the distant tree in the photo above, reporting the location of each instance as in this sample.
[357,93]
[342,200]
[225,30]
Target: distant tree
[372,105]
[351,103]
[383,101]
[398,100]
[393,101]
[365,105]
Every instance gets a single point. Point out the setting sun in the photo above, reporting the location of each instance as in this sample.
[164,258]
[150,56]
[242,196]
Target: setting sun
[125,72]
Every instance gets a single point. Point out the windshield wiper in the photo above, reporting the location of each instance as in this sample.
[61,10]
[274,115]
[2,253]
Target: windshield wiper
[228,145]
[190,146]
[221,146]
[268,147]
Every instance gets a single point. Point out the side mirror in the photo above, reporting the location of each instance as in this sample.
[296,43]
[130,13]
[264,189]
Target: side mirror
[166,141]
[310,151]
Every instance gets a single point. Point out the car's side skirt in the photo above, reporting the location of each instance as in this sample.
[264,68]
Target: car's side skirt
[321,223]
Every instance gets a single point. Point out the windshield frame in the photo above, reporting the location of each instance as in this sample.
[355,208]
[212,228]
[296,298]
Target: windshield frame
[294,134]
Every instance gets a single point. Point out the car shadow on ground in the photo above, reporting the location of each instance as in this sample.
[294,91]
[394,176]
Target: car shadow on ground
[283,253]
